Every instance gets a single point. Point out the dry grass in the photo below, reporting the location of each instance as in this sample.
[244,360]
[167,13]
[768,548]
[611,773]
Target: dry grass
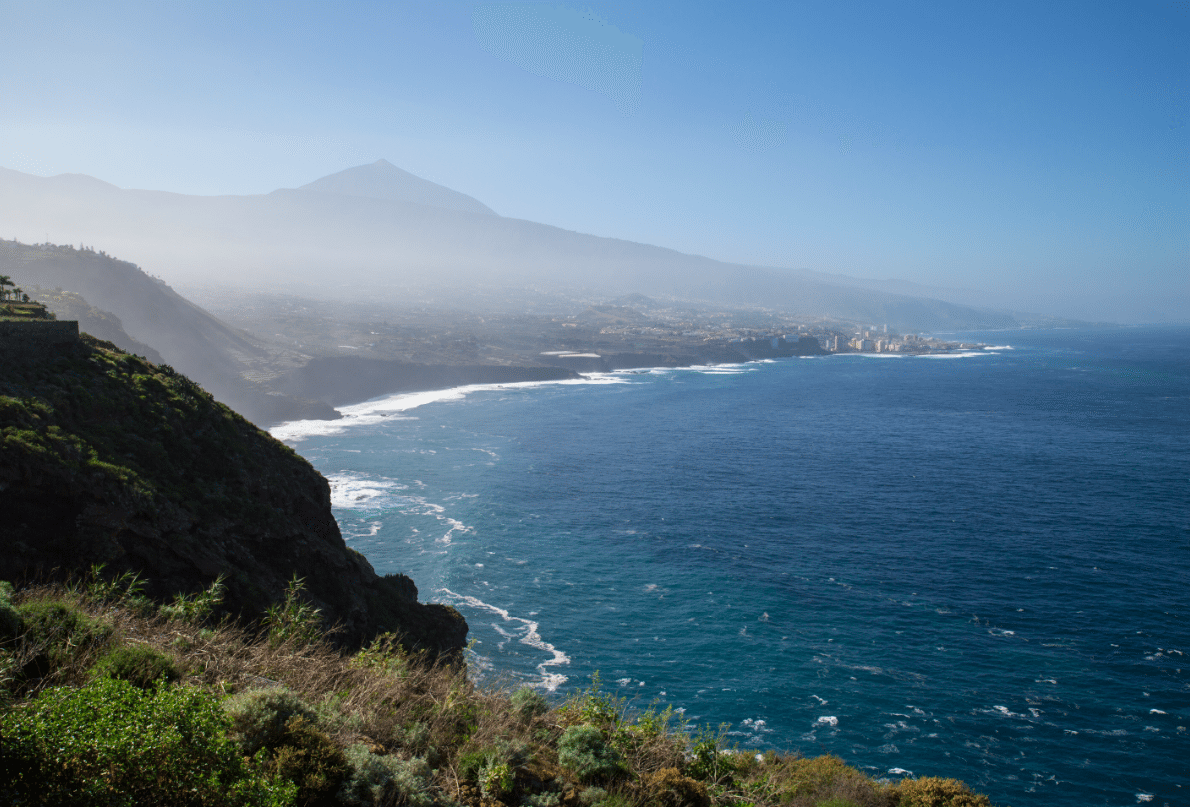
[408,706]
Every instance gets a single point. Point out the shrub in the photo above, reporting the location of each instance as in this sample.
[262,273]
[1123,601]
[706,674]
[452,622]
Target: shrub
[312,761]
[54,623]
[140,666]
[592,796]
[109,743]
[583,751]
[528,703]
[259,717]
[669,788]
[931,791]
[10,618]
[377,779]
[541,800]
[57,634]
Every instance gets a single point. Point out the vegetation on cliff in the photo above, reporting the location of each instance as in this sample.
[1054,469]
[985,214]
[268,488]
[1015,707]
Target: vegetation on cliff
[106,458]
[106,699]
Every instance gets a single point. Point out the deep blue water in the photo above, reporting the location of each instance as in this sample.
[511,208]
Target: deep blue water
[974,566]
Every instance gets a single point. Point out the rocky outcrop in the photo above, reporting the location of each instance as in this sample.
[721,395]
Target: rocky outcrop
[106,458]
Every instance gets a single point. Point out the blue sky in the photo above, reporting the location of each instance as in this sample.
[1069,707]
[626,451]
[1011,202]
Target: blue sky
[1034,151]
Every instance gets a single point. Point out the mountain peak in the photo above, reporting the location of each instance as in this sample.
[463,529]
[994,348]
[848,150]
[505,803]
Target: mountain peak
[383,180]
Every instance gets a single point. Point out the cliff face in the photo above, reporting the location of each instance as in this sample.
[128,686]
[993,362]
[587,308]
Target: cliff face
[106,458]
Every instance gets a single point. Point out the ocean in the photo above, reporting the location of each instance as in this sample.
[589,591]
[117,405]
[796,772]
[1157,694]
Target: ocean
[974,565]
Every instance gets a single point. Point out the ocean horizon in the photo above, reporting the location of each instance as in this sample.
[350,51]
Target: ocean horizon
[972,565]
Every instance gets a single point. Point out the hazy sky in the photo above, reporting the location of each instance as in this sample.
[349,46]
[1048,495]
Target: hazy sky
[1036,150]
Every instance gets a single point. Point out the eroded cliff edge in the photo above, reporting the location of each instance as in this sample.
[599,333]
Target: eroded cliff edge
[107,458]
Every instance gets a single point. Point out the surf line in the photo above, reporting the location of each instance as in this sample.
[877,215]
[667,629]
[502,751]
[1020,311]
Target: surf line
[550,680]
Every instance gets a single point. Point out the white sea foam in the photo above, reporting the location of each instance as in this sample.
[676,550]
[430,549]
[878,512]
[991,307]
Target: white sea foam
[379,410]
[827,720]
[352,491]
[999,347]
[550,681]
[965,354]
[900,772]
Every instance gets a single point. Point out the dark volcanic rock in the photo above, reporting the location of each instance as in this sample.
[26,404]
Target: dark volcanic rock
[106,458]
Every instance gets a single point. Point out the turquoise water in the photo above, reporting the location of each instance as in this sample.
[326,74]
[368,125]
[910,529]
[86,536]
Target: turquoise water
[974,566]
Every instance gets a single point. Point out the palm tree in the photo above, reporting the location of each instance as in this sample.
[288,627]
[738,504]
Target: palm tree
[5,280]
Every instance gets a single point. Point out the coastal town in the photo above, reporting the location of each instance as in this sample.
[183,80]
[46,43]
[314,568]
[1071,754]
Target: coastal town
[585,335]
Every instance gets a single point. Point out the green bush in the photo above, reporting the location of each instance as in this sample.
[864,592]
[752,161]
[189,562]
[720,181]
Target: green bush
[10,618]
[584,751]
[140,666]
[58,633]
[112,744]
[259,717]
[528,703]
[377,779]
[312,761]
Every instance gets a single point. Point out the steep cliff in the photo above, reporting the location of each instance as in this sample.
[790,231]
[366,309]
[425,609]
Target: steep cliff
[106,458]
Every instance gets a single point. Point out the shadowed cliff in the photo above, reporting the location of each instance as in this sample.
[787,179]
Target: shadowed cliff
[106,458]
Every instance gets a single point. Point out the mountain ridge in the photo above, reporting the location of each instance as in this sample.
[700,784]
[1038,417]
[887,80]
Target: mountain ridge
[294,238]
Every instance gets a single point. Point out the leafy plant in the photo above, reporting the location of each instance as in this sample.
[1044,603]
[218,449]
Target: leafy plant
[495,780]
[593,706]
[126,588]
[384,653]
[293,620]
[706,754]
[140,666]
[112,744]
[583,750]
[196,608]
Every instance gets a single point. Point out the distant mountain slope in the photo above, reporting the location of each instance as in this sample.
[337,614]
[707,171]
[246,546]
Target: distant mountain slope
[352,246]
[185,336]
[383,180]
[69,305]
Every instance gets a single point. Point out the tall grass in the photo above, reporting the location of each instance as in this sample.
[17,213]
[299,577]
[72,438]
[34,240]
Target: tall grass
[315,725]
